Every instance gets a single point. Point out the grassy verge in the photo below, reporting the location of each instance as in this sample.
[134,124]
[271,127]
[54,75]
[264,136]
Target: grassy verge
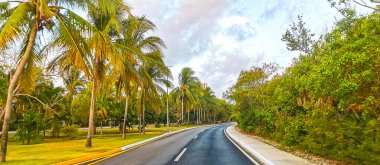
[58,150]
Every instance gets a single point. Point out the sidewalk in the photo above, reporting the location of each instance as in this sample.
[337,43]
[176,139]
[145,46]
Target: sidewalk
[262,152]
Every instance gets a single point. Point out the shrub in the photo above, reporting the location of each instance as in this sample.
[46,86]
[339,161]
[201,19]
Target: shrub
[71,131]
[28,128]
[56,128]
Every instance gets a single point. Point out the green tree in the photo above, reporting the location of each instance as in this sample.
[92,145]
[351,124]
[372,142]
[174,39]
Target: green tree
[29,127]
[298,37]
[187,81]
[137,47]
[27,19]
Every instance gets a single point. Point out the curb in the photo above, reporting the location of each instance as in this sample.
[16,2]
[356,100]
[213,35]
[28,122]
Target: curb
[252,153]
[105,155]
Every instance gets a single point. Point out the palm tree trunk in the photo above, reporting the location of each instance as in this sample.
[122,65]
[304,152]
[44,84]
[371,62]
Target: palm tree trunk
[201,114]
[182,111]
[188,117]
[12,85]
[139,121]
[101,129]
[143,119]
[91,118]
[125,114]
[196,115]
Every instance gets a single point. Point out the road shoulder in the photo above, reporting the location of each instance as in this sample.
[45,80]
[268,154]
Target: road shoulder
[262,152]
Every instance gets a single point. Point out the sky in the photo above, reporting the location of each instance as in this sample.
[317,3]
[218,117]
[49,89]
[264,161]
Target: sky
[219,38]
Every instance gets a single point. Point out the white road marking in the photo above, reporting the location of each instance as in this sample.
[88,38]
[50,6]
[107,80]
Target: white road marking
[180,154]
[195,137]
[237,146]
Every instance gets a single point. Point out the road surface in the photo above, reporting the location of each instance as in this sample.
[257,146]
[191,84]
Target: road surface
[204,145]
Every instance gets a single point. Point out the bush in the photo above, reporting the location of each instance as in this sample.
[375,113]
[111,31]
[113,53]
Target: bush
[157,124]
[56,128]
[28,128]
[71,131]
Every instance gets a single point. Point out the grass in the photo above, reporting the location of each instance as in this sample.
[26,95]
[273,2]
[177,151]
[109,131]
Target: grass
[60,149]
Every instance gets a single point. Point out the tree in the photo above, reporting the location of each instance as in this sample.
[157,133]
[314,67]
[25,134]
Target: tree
[73,81]
[101,51]
[27,19]
[330,101]
[187,81]
[28,127]
[345,8]
[137,46]
[155,74]
[298,37]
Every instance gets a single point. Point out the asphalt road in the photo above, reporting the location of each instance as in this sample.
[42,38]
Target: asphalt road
[201,146]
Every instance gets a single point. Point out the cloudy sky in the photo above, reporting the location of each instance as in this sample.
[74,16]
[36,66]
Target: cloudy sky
[219,38]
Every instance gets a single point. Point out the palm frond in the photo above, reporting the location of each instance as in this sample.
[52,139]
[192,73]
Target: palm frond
[16,24]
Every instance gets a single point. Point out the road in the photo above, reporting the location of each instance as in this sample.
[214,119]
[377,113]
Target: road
[204,145]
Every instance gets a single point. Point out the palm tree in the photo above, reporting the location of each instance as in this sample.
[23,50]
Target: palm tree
[187,81]
[106,17]
[73,81]
[154,76]
[139,52]
[101,51]
[27,19]
[207,100]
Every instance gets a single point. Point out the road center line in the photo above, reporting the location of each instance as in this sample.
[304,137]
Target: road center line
[195,136]
[180,154]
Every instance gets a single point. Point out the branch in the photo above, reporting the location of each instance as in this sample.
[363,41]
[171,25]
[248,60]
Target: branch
[364,5]
[45,105]
[16,1]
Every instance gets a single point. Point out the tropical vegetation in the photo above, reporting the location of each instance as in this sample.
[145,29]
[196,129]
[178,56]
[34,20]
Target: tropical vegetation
[104,68]
[327,101]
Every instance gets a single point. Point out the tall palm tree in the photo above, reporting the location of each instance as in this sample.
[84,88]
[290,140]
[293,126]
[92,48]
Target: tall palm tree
[73,81]
[105,20]
[155,76]
[187,81]
[106,17]
[207,100]
[27,19]
[139,51]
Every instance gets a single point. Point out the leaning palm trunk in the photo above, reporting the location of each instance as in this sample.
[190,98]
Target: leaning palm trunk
[125,115]
[12,85]
[91,118]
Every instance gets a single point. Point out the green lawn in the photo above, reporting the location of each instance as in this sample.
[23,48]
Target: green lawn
[58,150]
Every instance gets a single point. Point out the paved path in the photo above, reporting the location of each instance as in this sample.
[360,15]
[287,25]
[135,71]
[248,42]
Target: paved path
[200,146]
[266,153]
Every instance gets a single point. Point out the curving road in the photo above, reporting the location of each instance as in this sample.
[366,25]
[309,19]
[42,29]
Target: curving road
[204,145]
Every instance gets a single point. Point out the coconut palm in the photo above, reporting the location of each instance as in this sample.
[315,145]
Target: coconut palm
[154,77]
[187,81]
[207,100]
[73,81]
[105,20]
[26,20]
[106,17]
[139,51]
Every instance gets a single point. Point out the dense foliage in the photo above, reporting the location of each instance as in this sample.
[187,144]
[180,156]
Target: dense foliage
[327,101]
